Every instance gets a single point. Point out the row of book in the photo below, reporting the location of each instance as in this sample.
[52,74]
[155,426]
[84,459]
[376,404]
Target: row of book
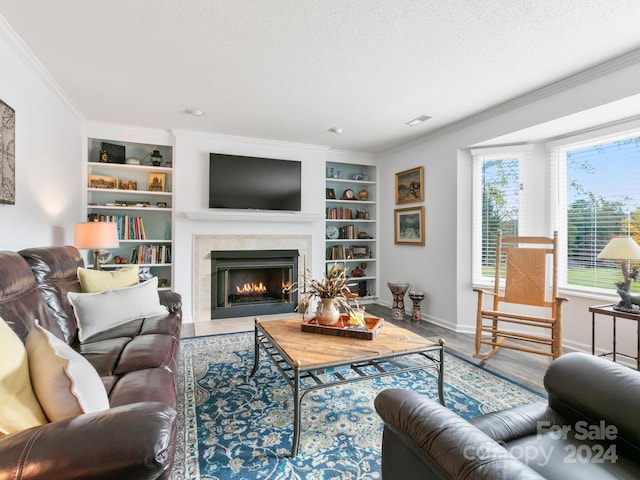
[151,254]
[339,213]
[129,228]
[340,252]
[348,232]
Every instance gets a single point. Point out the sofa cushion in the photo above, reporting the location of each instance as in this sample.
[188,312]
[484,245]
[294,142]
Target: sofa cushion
[19,407]
[117,356]
[21,299]
[93,281]
[149,385]
[54,270]
[97,312]
[65,383]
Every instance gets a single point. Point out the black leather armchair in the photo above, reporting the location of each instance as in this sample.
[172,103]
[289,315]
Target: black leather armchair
[590,428]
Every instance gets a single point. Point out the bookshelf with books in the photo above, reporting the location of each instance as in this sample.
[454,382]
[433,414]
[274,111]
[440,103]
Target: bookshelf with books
[351,226]
[125,187]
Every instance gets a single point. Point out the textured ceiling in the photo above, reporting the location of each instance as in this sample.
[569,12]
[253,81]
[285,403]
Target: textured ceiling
[291,69]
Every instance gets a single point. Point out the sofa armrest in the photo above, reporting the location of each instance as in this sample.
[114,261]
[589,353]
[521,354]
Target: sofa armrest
[430,441]
[171,300]
[127,442]
[518,422]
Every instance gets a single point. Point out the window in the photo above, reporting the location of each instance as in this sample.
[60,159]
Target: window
[497,200]
[599,197]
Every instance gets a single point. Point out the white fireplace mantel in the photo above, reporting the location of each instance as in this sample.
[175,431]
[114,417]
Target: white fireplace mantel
[254,216]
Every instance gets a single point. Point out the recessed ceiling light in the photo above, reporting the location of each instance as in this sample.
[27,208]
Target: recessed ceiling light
[196,112]
[336,130]
[418,120]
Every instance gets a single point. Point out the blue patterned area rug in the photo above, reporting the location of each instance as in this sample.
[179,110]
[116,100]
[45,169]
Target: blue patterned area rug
[233,426]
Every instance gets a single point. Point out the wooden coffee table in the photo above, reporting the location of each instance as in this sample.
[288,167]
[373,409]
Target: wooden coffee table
[309,361]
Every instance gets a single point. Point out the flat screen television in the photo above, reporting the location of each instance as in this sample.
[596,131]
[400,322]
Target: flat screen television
[241,182]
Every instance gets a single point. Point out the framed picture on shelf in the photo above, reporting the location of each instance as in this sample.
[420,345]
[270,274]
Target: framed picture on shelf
[102,181]
[408,226]
[360,251]
[331,193]
[409,186]
[127,185]
[155,182]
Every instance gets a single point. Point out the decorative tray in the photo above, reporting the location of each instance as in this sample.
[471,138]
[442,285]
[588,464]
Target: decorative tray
[343,329]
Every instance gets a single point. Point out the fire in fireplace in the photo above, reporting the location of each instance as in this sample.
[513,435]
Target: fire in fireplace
[252,282]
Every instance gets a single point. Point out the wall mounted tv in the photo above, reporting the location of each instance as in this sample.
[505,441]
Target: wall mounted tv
[241,182]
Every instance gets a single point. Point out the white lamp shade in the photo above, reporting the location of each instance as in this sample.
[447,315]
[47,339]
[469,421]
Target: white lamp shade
[96,235]
[621,248]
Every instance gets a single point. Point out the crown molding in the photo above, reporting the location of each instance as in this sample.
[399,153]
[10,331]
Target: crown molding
[222,137]
[22,51]
[616,64]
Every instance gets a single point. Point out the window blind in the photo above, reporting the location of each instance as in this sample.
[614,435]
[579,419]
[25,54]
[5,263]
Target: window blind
[497,203]
[597,198]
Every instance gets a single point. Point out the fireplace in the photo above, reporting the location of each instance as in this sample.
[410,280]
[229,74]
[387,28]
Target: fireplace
[252,282]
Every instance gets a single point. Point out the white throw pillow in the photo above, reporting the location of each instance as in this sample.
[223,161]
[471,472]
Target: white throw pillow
[98,312]
[65,383]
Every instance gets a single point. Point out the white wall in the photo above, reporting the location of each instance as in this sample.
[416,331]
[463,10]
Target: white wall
[443,267]
[49,151]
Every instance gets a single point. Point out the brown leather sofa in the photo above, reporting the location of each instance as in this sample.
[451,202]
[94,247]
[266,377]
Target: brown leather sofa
[136,437]
[588,429]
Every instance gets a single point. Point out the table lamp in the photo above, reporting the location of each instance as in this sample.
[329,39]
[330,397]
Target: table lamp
[94,236]
[623,249]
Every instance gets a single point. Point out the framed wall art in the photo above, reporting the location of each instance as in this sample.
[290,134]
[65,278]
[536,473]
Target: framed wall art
[7,154]
[408,226]
[409,186]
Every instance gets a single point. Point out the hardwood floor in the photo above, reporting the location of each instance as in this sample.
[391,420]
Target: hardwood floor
[526,369]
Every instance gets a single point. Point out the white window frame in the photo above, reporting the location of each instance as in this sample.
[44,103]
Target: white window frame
[558,191]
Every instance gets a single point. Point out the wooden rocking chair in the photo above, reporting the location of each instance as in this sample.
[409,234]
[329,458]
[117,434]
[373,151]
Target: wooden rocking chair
[524,260]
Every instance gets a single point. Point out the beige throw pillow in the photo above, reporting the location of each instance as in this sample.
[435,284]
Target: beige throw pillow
[98,312]
[93,281]
[19,407]
[65,383]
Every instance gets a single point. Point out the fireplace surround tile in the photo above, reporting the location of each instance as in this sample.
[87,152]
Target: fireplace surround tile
[204,244]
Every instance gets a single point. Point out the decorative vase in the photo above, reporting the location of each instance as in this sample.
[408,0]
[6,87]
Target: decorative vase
[398,289]
[327,312]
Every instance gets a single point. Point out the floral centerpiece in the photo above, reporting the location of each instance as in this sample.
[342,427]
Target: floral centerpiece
[332,291]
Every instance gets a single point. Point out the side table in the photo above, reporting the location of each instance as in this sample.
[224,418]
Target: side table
[609,311]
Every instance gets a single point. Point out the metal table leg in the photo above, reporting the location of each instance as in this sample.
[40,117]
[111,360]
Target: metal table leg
[593,333]
[614,339]
[297,401]
[256,356]
[441,373]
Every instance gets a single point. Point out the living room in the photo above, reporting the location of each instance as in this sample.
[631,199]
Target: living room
[594,89]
